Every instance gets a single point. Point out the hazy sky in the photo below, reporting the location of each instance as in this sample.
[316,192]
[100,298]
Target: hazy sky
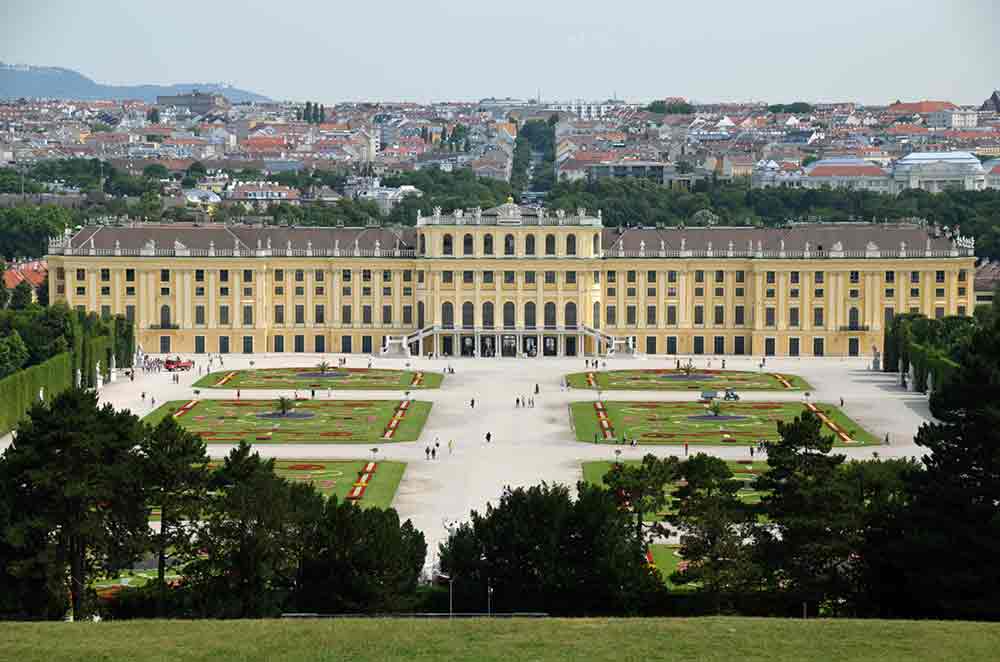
[867,50]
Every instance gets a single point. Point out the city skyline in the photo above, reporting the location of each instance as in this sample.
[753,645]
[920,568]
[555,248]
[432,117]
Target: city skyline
[441,51]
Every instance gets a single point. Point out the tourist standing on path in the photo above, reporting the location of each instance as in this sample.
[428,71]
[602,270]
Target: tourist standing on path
[489,437]
[536,389]
[312,394]
[237,394]
[841,403]
[517,403]
[427,452]
[685,449]
[451,446]
[434,454]
[472,403]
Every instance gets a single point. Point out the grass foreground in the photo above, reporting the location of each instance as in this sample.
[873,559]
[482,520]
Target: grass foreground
[711,639]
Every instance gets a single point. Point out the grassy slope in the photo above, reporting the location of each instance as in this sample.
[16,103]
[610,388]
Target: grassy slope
[502,640]
[408,430]
[585,425]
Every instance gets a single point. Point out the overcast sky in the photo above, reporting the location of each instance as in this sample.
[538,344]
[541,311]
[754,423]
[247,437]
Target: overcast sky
[871,51]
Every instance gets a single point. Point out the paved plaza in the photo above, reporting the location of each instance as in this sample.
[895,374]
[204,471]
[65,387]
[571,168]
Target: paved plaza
[530,444]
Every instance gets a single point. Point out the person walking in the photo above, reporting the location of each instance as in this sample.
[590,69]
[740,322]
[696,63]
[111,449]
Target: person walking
[237,394]
[434,454]
[451,446]
[472,403]
[517,403]
[312,394]
[842,403]
[536,389]
[489,437]
[685,449]
[427,452]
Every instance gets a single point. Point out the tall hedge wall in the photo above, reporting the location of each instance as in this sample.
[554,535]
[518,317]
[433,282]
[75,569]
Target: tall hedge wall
[20,390]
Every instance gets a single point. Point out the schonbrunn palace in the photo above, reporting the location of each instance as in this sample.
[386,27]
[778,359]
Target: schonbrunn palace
[513,281]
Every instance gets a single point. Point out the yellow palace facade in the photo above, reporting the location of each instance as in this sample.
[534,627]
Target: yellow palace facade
[513,281]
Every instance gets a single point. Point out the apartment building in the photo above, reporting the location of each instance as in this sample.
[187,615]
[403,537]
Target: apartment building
[513,281]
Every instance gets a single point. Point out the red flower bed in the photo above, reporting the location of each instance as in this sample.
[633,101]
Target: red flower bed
[306,467]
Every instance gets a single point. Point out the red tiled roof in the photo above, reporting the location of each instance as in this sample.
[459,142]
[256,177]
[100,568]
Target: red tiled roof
[922,107]
[846,171]
[34,272]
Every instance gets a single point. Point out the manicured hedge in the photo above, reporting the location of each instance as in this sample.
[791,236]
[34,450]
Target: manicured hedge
[20,390]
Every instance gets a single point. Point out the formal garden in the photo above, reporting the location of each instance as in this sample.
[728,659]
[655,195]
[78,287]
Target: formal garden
[715,423]
[686,378]
[321,377]
[285,420]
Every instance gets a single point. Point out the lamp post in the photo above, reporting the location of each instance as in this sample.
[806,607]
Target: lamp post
[489,600]
[451,594]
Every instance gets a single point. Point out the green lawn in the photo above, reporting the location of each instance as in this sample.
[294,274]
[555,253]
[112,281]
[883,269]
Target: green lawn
[677,380]
[709,639]
[739,423]
[594,472]
[305,379]
[311,421]
[338,477]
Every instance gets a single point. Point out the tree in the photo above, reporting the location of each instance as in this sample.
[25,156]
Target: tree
[307,113]
[153,115]
[322,114]
[175,474]
[284,405]
[951,535]
[360,560]
[539,550]
[77,485]
[715,406]
[155,171]
[13,353]
[641,490]
[22,296]
[42,292]
[323,366]
[4,294]
[813,512]
[714,527]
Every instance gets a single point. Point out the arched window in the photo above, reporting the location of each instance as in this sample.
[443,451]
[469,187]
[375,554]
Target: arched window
[597,315]
[529,245]
[550,244]
[508,315]
[529,315]
[164,317]
[570,318]
[420,313]
[468,247]
[550,315]
[449,248]
[488,244]
[597,244]
[571,244]
[508,245]
[853,318]
[423,245]
[447,315]
[488,314]
[468,315]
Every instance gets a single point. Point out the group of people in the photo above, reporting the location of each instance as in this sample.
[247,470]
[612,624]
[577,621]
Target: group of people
[594,364]
[434,450]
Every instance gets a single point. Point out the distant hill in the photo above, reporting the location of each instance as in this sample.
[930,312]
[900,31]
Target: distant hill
[17,81]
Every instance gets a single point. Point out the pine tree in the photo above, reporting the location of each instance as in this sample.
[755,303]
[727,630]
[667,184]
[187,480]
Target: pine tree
[307,114]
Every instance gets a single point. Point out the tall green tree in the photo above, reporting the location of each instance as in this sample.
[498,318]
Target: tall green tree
[715,527]
[951,535]
[77,485]
[4,294]
[22,296]
[42,293]
[642,490]
[13,353]
[813,513]
[174,470]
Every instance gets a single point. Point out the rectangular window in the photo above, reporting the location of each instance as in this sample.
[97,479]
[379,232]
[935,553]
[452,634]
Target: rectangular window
[739,316]
[769,316]
[366,275]
[407,276]
[720,276]
[740,277]
[223,291]
[720,315]
[508,277]
[279,291]
[130,275]
[224,276]
[914,292]
[938,312]
[699,276]
[279,344]
[81,274]
[199,315]
[770,278]
[199,344]
[130,313]
[366,314]
[739,292]
[609,316]
[550,277]
[248,315]
[105,275]
[939,293]
[818,293]
[279,275]
[793,277]
[386,314]
[699,314]
[817,347]
[224,314]
[650,276]
[80,291]
[793,293]
[164,275]
[488,277]
[699,344]
[223,344]
[279,314]
[529,277]
[915,277]
[854,294]
[855,277]
[320,314]
[651,291]
[319,344]
[720,291]
[612,277]
[672,315]
[345,344]
[720,345]
[890,277]
[345,275]
[407,315]
[300,276]
[300,343]
[671,276]
[300,314]
[106,291]
[447,277]
[386,276]
[630,315]
[105,312]
[651,315]
[248,275]
[818,278]
[961,275]
[630,276]
[468,277]
[793,346]
[793,317]
[198,291]
[319,291]
[319,275]
[571,278]
[818,317]
[248,344]
[938,276]
[248,291]
[345,315]
[630,292]
[699,291]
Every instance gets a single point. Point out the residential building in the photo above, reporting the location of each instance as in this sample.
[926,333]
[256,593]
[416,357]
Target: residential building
[953,119]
